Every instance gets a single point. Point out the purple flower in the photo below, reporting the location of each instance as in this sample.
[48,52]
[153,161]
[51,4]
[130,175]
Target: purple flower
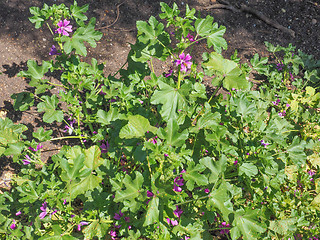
[190,37]
[118,216]
[276,103]
[282,114]
[224,225]
[263,143]
[39,146]
[149,194]
[127,219]
[64,27]
[113,234]
[206,190]
[184,62]
[178,181]
[169,73]
[311,173]
[177,212]
[13,225]
[173,222]
[54,51]
[235,162]
[27,160]
[18,213]
[185,238]
[43,208]
[279,66]
[69,128]
[64,201]
[104,147]
[82,224]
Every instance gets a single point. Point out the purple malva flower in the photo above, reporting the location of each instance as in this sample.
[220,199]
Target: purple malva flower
[185,238]
[235,162]
[127,219]
[177,212]
[43,208]
[311,173]
[206,190]
[113,234]
[282,114]
[54,51]
[263,143]
[70,128]
[64,27]
[184,62]
[169,73]
[149,194]
[104,147]
[64,201]
[224,225]
[18,213]
[82,224]
[287,105]
[39,146]
[276,103]
[178,181]
[279,66]
[190,37]
[13,225]
[27,160]
[118,216]
[173,222]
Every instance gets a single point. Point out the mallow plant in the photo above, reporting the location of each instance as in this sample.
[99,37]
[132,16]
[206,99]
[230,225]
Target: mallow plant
[156,155]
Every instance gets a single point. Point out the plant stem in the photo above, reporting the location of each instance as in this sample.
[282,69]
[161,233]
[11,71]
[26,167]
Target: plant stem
[151,65]
[179,78]
[215,92]
[50,29]
[189,201]
[58,85]
[68,137]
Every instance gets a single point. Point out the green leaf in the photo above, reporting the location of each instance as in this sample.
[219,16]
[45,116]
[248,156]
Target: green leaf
[282,226]
[132,188]
[105,118]
[171,134]
[247,225]
[14,148]
[152,214]
[35,72]
[28,192]
[228,71]
[93,160]
[42,135]
[73,171]
[259,64]
[217,168]
[192,175]
[169,13]
[171,99]
[213,33]
[248,169]
[58,235]
[88,183]
[82,34]
[296,151]
[22,101]
[49,106]
[148,32]
[136,127]
[78,11]
[96,229]
[220,199]
[38,18]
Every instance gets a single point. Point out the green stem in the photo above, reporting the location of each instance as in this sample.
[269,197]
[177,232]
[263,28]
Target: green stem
[151,65]
[58,85]
[179,78]
[86,113]
[215,92]
[189,201]
[120,68]
[50,29]
[68,137]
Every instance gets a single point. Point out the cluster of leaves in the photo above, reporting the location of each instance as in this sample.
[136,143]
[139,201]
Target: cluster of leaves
[157,157]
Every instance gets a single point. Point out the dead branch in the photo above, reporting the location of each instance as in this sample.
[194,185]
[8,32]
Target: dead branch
[224,4]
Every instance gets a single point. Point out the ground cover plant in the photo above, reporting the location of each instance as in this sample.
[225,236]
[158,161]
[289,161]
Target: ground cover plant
[156,156]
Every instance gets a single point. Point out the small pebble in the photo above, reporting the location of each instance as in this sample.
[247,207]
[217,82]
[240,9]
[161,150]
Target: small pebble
[313,21]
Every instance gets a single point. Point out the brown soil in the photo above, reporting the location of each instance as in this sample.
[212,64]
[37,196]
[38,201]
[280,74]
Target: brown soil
[20,41]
